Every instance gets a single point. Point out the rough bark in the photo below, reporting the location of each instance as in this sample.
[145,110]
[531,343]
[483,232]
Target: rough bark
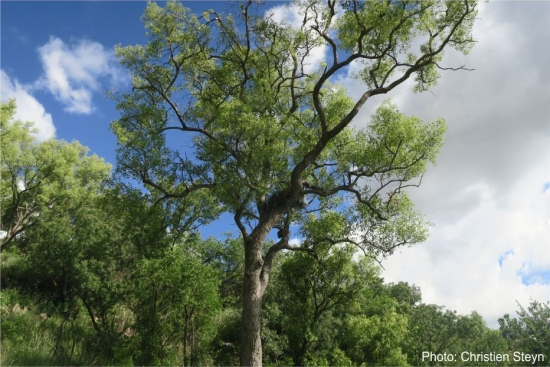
[253,290]
[256,278]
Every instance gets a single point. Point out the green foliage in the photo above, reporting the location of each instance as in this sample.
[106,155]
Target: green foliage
[227,342]
[89,254]
[33,337]
[122,274]
[252,115]
[339,358]
[314,285]
[271,142]
[41,176]
[177,300]
[332,310]
[228,259]
[376,340]
[415,19]
[407,296]
[434,329]
[530,331]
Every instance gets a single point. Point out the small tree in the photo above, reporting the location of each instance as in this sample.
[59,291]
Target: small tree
[530,331]
[314,285]
[229,105]
[35,177]
[175,303]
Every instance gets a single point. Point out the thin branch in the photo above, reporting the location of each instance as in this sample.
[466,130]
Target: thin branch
[454,69]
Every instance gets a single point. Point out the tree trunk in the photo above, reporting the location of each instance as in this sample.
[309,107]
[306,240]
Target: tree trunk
[253,291]
[185,332]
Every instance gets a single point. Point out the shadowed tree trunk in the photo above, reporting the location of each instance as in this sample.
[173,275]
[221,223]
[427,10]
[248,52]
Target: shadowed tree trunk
[253,291]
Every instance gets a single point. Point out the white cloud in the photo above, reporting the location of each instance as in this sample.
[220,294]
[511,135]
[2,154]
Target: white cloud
[486,196]
[286,14]
[479,260]
[28,107]
[295,242]
[72,72]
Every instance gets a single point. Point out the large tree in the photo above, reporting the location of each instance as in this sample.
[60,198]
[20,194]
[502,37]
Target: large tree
[231,105]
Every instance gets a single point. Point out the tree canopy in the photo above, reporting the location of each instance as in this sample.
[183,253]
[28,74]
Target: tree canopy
[112,275]
[36,177]
[271,139]
[531,329]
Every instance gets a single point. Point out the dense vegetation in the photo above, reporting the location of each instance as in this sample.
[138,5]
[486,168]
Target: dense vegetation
[107,267]
[95,272]
[268,133]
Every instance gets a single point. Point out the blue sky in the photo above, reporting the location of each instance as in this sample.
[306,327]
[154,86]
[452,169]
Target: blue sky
[34,34]
[58,58]
[29,26]
[58,61]
[488,196]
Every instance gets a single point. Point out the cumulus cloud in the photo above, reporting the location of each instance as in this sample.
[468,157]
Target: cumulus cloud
[489,195]
[72,73]
[488,257]
[28,107]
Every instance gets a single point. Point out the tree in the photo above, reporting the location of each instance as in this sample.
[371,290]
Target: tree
[477,338]
[312,285]
[530,332]
[439,331]
[175,303]
[406,295]
[432,329]
[35,177]
[375,340]
[272,140]
[374,328]
[72,258]
[56,235]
